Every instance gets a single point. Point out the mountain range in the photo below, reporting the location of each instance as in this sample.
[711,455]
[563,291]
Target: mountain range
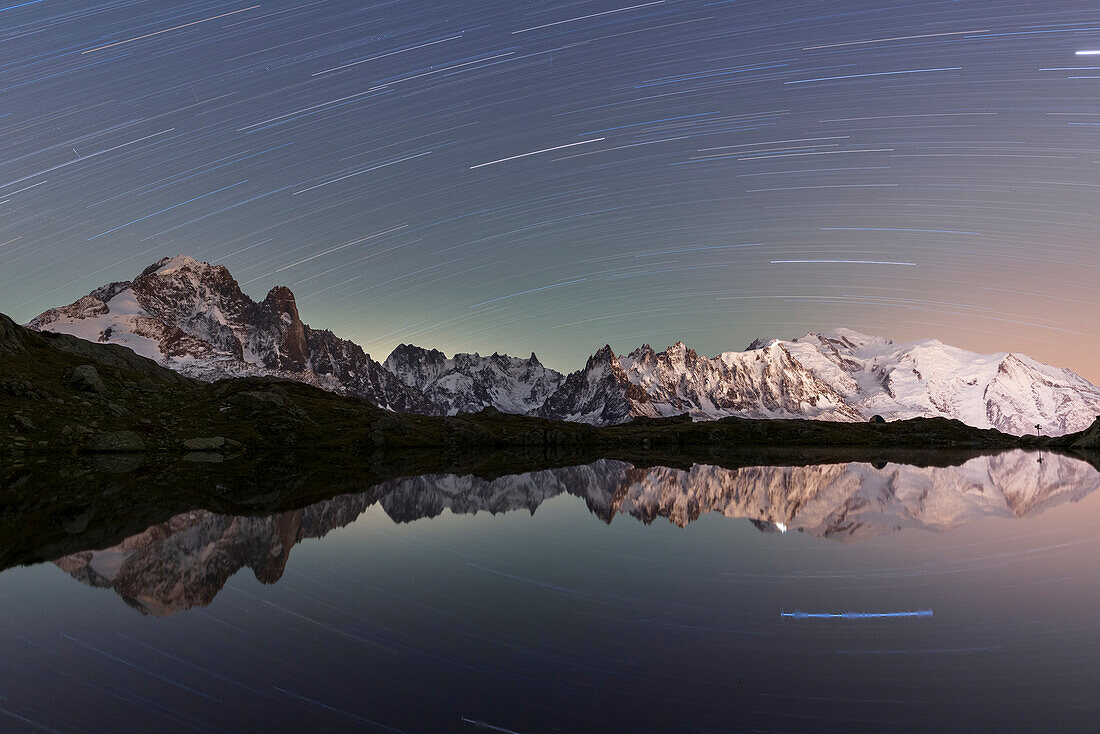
[194,318]
[185,561]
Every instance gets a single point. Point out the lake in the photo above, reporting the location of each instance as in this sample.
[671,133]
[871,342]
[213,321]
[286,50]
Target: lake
[601,597]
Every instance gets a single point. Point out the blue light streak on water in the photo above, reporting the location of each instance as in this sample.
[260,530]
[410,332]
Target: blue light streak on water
[855,615]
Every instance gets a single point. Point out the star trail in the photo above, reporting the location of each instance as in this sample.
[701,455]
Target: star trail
[552,176]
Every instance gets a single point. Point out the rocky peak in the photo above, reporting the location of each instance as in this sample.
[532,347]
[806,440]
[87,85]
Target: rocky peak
[109,291]
[468,383]
[411,352]
[293,347]
[168,265]
[758,343]
[679,353]
[184,266]
[184,285]
[600,393]
[415,366]
[281,300]
[193,317]
[1012,369]
[604,355]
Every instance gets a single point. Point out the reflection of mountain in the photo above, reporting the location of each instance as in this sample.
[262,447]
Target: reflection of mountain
[857,501]
[854,500]
[185,562]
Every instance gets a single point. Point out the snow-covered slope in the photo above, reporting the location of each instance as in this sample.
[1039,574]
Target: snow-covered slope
[193,317]
[1010,392]
[466,383]
[837,375]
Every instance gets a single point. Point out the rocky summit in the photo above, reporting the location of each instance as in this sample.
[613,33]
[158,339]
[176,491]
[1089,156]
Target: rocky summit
[192,317]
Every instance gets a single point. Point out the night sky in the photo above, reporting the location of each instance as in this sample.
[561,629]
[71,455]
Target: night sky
[551,176]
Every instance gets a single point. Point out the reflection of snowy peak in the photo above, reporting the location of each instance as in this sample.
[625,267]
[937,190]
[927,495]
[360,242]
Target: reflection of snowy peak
[185,561]
[466,383]
[193,317]
[858,500]
[415,498]
[847,501]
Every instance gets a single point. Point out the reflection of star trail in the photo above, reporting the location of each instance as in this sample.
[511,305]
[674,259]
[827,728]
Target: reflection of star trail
[881,159]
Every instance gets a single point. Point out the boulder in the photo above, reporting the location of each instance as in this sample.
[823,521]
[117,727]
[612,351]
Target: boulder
[212,443]
[86,379]
[256,400]
[22,423]
[116,441]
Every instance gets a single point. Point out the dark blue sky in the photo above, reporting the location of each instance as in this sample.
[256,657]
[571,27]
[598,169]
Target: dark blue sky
[552,176]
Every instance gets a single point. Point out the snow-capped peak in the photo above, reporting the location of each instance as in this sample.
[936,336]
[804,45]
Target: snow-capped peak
[193,317]
[169,265]
[838,374]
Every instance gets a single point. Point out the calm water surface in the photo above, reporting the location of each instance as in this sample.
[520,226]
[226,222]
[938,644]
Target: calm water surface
[597,598]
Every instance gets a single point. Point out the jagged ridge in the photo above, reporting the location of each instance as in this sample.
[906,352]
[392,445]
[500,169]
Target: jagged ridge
[194,318]
[467,383]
